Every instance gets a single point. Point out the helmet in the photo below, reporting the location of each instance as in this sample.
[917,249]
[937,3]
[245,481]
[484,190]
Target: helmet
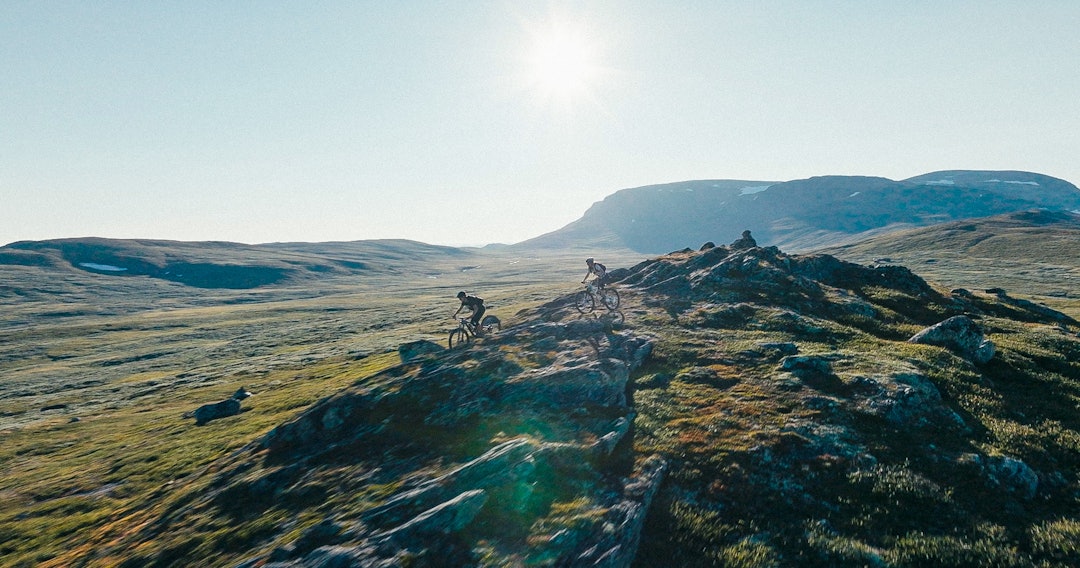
[461,294]
[589,260]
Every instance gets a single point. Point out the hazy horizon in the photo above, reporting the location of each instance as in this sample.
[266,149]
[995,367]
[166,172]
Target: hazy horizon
[473,123]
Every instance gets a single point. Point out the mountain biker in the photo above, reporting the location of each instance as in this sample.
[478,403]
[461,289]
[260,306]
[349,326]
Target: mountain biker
[476,306]
[598,270]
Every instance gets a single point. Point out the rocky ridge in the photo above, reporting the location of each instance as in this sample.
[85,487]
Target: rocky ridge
[754,404]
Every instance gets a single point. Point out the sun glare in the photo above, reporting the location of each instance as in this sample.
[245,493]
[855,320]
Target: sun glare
[562,61]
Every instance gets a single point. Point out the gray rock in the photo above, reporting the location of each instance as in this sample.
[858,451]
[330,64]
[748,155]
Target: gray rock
[414,349]
[606,444]
[599,383]
[616,544]
[961,335]
[744,242]
[227,407]
[785,348]
[907,399]
[506,463]
[444,518]
[806,364]
[1014,475]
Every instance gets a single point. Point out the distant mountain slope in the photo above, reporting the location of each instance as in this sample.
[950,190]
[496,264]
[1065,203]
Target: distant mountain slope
[1033,252]
[803,214]
[221,264]
[1033,236]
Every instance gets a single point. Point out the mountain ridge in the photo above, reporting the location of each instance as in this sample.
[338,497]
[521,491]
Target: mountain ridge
[805,214]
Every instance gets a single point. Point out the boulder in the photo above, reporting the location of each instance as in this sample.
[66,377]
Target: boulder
[800,365]
[907,399]
[227,407]
[208,412]
[414,349]
[961,335]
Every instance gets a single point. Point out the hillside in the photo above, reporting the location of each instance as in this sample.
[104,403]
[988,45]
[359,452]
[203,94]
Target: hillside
[802,215]
[221,264]
[1034,253]
[746,407]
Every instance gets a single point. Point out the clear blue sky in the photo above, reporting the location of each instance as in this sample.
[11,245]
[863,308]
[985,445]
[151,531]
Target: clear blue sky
[450,122]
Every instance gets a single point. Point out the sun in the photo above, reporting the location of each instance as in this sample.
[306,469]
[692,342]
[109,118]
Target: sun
[562,60]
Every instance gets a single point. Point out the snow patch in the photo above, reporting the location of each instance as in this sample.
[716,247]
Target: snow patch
[1035,183]
[854,194]
[102,267]
[753,189]
[941,182]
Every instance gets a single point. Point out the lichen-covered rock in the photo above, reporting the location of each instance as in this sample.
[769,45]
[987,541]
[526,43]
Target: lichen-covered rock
[961,335]
[906,399]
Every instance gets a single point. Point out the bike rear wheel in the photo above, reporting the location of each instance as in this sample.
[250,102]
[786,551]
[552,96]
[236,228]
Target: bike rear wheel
[584,302]
[458,337]
[610,297]
[490,324]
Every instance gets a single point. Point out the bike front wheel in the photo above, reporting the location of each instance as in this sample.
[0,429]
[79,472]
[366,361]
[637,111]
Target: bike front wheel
[584,302]
[458,337]
[610,297]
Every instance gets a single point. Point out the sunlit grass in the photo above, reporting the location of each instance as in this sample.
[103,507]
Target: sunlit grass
[86,472]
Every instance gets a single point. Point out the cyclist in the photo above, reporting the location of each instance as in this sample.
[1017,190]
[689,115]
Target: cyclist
[476,306]
[598,270]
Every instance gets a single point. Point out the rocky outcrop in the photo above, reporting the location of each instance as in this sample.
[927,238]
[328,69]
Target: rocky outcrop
[744,242]
[959,334]
[904,399]
[539,416]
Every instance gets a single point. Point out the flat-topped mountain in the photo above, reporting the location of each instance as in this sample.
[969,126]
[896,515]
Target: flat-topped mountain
[804,214]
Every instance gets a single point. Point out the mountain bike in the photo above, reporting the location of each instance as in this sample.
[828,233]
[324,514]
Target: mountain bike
[465,331]
[591,297]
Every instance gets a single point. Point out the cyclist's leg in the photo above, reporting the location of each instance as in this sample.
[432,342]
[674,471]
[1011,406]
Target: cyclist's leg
[477,330]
